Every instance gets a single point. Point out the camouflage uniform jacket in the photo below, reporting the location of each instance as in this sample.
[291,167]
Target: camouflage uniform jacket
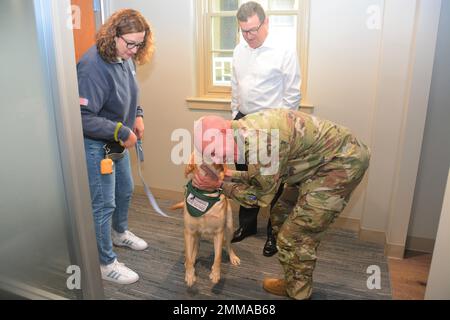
[305,144]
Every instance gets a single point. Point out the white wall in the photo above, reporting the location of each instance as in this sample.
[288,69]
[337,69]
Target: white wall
[359,76]
[343,70]
[413,124]
[373,76]
[439,279]
[435,158]
[389,104]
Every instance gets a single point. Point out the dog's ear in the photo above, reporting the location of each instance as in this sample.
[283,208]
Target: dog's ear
[190,168]
[223,172]
[221,168]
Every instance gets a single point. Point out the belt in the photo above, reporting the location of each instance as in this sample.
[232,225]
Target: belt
[239,116]
[114,151]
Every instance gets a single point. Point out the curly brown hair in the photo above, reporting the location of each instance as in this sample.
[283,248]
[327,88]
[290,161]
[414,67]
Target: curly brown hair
[123,22]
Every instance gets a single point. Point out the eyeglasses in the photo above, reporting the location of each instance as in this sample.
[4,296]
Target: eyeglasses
[132,45]
[252,31]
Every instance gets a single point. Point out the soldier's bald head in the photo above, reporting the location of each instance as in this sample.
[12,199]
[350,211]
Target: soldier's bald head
[210,133]
[214,122]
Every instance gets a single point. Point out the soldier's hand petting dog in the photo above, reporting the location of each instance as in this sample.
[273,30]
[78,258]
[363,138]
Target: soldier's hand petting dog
[207,181]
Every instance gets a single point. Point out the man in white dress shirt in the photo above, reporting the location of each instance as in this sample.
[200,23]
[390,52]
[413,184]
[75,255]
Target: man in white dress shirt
[266,75]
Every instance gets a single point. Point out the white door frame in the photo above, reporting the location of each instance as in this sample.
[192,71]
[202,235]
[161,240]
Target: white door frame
[53,19]
[438,287]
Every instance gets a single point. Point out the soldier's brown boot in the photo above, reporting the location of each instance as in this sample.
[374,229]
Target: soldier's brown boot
[275,286]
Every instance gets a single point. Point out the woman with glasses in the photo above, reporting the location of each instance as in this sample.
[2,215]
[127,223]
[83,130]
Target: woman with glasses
[113,123]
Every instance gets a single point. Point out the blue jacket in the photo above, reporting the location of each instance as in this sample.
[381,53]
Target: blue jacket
[109,94]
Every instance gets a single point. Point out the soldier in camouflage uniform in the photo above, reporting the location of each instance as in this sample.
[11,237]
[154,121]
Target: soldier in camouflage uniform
[320,163]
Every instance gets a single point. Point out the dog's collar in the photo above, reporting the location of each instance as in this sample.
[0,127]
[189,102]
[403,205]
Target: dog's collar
[198,202]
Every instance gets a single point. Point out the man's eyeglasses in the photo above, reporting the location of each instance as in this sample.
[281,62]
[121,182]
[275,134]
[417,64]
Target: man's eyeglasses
[132,45]
[252,31]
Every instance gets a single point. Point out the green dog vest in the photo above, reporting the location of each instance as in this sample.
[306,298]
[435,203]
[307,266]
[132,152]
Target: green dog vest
[197,202]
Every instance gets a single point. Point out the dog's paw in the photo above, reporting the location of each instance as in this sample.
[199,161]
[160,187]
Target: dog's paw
[234,259]
[190,278]
[215,276]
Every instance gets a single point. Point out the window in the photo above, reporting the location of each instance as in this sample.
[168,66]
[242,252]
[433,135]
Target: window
[218,35]
[222,71]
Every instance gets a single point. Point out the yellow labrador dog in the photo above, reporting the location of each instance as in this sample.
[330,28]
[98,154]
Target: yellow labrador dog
[206,214]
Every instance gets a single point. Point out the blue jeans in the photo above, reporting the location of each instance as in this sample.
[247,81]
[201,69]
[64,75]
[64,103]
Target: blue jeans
[110,196]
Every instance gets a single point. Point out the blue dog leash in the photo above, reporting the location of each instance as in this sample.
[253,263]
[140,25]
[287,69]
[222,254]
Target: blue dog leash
[151,198]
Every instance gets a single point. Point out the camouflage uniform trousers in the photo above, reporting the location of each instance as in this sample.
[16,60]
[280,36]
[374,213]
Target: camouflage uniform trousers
[305,210]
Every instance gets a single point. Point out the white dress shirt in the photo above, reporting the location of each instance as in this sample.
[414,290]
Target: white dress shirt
[264,78]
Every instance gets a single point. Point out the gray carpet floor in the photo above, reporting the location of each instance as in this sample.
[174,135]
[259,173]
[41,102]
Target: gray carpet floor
[341,272]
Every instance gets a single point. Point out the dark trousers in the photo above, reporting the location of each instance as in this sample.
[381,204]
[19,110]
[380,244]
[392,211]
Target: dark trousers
[248,216]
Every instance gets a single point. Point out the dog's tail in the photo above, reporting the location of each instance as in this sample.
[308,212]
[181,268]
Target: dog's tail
[177,206]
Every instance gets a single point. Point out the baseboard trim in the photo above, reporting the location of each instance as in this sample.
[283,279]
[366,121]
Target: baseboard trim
[394,251]
[372,236]
[347,224]
[420,244]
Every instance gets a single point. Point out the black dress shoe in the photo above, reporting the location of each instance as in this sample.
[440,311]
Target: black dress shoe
[241,233]
[270,248]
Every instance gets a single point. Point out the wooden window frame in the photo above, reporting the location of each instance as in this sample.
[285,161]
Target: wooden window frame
[210,97]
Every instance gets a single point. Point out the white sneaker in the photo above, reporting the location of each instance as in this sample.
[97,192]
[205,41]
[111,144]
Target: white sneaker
[118,273]
[128,239]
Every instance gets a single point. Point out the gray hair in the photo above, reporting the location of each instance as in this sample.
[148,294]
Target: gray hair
[249,9]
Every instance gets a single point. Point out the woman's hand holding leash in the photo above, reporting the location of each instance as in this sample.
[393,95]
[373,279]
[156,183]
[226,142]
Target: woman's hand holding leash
[139,128]
[131,141]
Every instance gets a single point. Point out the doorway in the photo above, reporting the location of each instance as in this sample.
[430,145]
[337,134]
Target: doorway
[87,18]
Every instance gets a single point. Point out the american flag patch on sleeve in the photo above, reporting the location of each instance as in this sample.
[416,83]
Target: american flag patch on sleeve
[84,102]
